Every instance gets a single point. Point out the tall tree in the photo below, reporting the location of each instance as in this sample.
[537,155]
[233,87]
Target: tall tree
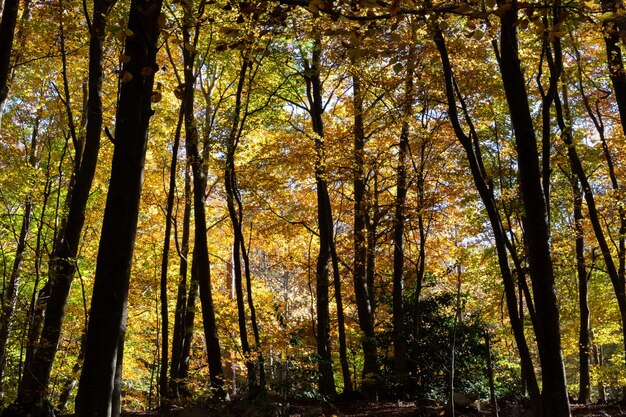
[536,229]
[399,337]
[184,314]
[361,288]
[236,218]
[34,385]
[164,394]
[200,267]
[107,320]
[10,289]
[324,218]
[7,33]
[470,144]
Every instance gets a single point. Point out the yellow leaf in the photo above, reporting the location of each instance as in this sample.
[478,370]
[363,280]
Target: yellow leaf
[607,16]
[490,3]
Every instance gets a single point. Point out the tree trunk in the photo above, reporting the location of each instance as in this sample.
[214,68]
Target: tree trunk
[399,336]
[62,268]
[201,267]
[537,234]
[7,33]
[180,356]
[9,293]
[361,288]
[372,221]
[485,191]
[236,217]
[37,304]
[119,226]
[621,238]
[325,222]
[615,62]
[163,382]
[584,348]
[615,274]
[492,390]
[341,323]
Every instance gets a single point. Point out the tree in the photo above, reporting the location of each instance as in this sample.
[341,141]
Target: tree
[361,287]
[7,33]
[200,267]
[554,391]
[324,218]
[34,385]
[107,319]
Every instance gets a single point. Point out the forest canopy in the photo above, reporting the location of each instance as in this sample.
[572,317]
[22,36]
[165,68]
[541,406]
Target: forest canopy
[398,198]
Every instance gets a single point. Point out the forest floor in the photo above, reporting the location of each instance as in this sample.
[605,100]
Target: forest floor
[312,408]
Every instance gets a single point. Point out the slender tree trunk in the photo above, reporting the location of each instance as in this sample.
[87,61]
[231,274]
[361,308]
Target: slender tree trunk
[236,217]
[399,335]
[492,390]
[614,273]
[107,322]
[341,323]
[235,209]
[35,311]
[485,191]
[325,223]
[420,267]
[252,308]
[9,293]
[615,62]
[183,330]
[537,234]
[372,221]
[201,267]
[7,33]
[62,268]
[584,348]
[163,382]
[619,279]
[72,380]
[361,288]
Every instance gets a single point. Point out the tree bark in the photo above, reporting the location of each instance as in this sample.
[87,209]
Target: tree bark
[341,323]
[201,267]
[107,323]
[9,293]
[324,219]
[7,33]
[485,192]
[62,268]
[554,391]
[185,313]
[361,288]
[399,336]
[615,62]
[584,345]
[163,382]
[236,217]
